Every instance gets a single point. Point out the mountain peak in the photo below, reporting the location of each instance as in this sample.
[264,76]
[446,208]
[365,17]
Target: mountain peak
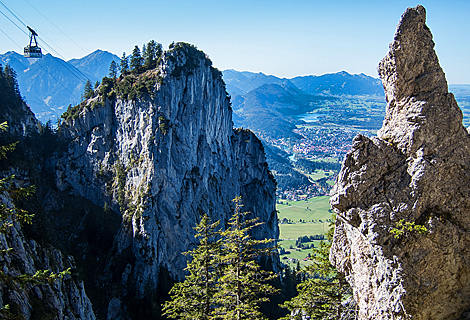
[415,87]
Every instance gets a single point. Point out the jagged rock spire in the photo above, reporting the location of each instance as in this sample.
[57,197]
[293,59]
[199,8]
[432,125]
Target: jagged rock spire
[416,170]
[416,88]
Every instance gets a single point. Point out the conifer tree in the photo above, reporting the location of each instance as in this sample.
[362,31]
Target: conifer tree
[124,64]
[224,281]
[113,70]
[88,91]
[242,286]
[11,79]
[320,295]
[137,61]
[9,90]
[151,53]
[194,297]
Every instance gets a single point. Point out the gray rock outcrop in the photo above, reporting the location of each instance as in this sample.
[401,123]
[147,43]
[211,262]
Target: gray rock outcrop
[416,170]
[159,161]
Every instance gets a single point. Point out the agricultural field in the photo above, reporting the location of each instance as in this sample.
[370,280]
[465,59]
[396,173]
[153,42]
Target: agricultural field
[298,219]
[320,174]
[360,112]
[313,209]
[296,230]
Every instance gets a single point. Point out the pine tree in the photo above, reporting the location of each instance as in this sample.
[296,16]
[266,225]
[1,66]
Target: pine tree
[124,64]
[151,54]
[11,79]
[194,297]
[113,70]
[10,95]
[319,295]
[242,286]
[224,281]
[137,61]
[88,91]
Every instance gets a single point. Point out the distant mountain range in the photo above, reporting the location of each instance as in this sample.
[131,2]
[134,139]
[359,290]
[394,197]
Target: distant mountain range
[332,84]
[271,106]
[50,84]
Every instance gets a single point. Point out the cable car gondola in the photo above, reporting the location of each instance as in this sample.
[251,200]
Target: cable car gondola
[31,51]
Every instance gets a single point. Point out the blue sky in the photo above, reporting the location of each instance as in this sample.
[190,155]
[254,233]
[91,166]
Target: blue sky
[283,38]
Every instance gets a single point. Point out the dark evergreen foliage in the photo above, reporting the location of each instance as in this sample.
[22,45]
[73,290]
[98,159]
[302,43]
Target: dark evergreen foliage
[124,64]
[194,298]
[113,70]
[151,54]
[10,97]
[322,288]
[88,91]
[136,61]
[225,280]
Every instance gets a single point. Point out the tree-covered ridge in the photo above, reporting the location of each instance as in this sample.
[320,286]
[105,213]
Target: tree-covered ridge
[137,77]
[192,59]
[139,73]
[10,96]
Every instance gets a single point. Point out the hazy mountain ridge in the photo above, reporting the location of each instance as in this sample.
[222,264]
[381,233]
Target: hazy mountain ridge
[271,109]
[270,105]
[95,65]
[50,84]
[331,84]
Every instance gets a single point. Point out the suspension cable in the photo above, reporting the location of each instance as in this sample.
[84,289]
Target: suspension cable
[39,64]
[55,26]
[74,71]
[10,38]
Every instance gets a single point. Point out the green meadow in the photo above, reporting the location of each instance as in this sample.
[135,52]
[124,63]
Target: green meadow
[296,230]
[313,209]
[306,218]
[319,174]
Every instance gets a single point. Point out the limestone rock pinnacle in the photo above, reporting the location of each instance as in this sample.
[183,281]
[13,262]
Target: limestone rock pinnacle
[416,170]
[416,88]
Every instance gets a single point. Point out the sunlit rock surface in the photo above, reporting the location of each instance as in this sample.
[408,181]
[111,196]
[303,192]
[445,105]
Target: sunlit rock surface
[417,169]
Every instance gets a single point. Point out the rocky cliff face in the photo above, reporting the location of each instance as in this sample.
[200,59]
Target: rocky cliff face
[418,170]
[159,162]
[61,299]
